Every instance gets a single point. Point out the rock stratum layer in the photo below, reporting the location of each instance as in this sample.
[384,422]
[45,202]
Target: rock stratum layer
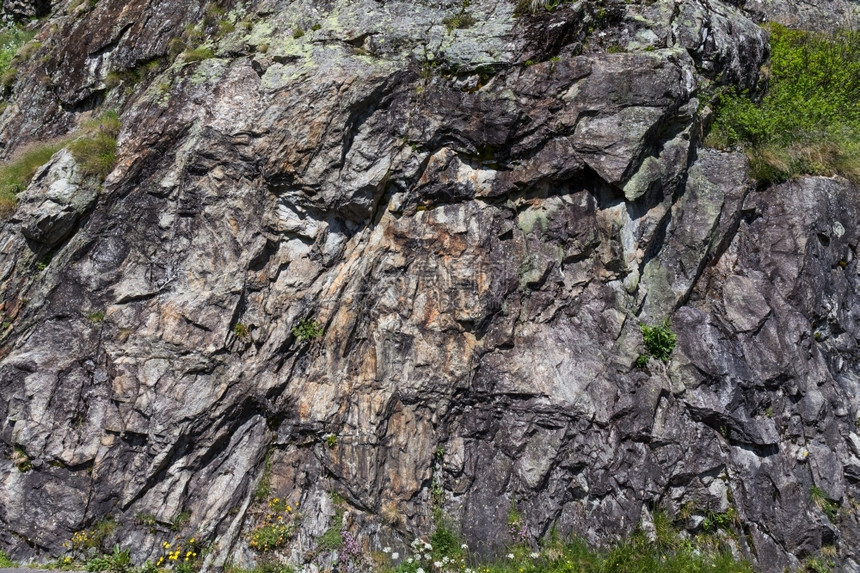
[480,213]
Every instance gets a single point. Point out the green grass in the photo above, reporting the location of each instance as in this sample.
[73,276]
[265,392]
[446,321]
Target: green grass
[16,174]
[808,121]
[11,40]
[5,562]
[198,54]
[666,552]
[95,150]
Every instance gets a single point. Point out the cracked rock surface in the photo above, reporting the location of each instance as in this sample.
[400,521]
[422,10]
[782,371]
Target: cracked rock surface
[480,219]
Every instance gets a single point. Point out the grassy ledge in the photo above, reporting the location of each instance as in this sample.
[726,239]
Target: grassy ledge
[94,150]
[16,174]
[808,121]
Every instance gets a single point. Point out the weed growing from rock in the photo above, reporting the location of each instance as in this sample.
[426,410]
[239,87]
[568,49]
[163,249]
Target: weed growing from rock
[307,330]
[95,151]
[659,341]
[824,503]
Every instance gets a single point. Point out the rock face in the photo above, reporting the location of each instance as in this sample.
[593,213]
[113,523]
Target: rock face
[480,218]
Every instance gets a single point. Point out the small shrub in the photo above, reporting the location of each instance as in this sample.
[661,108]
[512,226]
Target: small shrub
[241,331]
[659,340]
[298,33]
[331,440]
[83,543]
[11,40]
[307,329]
[331,540]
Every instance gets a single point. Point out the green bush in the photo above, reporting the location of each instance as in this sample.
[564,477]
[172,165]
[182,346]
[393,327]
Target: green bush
[808,121]
[659,341]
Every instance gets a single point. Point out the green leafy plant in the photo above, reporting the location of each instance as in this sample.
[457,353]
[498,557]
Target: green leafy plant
[725,520]
[117,562]
[5,562]
[659,340]
[331,440]
[642,361]
[808,121]
[307,329]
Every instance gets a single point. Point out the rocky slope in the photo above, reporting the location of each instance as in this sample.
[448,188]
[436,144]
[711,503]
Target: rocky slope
[480,209]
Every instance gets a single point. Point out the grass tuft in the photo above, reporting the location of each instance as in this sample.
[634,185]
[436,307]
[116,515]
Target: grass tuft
[95,151]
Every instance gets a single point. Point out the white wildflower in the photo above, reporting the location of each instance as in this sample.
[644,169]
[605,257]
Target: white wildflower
[395,556]
[410,560]
[427,556]
[534,555]
[386,550]
[419,570]
[464,546]
[437,564]
[428,547]
[510,555]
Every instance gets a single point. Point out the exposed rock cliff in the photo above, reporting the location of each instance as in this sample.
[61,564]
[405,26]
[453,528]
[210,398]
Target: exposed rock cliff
[480,217]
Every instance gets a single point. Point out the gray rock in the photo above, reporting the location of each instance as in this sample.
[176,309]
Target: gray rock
[479,220]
